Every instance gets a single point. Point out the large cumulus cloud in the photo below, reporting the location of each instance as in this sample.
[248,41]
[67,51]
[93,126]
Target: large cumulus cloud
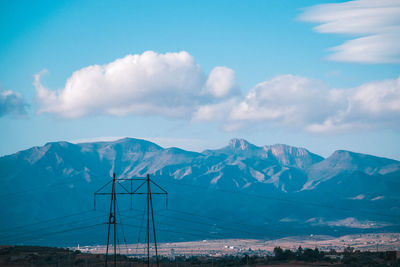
[170,84]
[173,85]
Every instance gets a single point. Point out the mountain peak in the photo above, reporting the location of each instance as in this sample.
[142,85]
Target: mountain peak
[241,144]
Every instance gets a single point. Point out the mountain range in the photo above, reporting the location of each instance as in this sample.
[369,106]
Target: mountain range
[239,191]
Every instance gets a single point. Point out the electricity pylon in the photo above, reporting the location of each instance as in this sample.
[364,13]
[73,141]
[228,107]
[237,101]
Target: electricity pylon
[112,218]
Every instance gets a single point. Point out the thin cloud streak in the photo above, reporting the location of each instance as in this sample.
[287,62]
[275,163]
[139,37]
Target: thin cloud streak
[374,23]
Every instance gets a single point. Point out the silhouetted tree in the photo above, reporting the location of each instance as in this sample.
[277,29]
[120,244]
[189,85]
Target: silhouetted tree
[332,252]
[348,251]
[299,252]
[278,251]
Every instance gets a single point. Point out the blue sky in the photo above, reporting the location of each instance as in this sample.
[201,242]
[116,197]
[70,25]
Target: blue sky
[266,71]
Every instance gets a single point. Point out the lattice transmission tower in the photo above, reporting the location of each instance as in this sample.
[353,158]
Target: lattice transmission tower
[144,183]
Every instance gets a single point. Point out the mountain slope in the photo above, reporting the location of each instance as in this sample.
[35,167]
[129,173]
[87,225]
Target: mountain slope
[275,190]
[346,162]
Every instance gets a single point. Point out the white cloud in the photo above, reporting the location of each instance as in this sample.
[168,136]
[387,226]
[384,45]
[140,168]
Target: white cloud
[221,83]
[285,99]
[173,85]
[12,103]
[215,112]
[170,85]
[371,105]
[374,23]
[298,102]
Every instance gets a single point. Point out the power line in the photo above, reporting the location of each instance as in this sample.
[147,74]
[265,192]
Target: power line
[210,218]
[226,221]
[140,230]
[40,230]
[209,234]
[38,188]
[64,231]
[192,229]
[292,201]
[122,228]
[44,221]
[213,225]
[200,233]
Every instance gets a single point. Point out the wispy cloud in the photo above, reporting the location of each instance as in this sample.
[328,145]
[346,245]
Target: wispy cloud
[374,25]
[12,103]
[170,85]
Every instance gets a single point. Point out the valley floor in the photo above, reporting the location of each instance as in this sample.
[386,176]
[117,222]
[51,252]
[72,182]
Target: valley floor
[13,256]
[362,242]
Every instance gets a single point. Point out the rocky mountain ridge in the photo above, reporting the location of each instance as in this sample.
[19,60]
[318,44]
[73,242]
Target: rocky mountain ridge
[295,189]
